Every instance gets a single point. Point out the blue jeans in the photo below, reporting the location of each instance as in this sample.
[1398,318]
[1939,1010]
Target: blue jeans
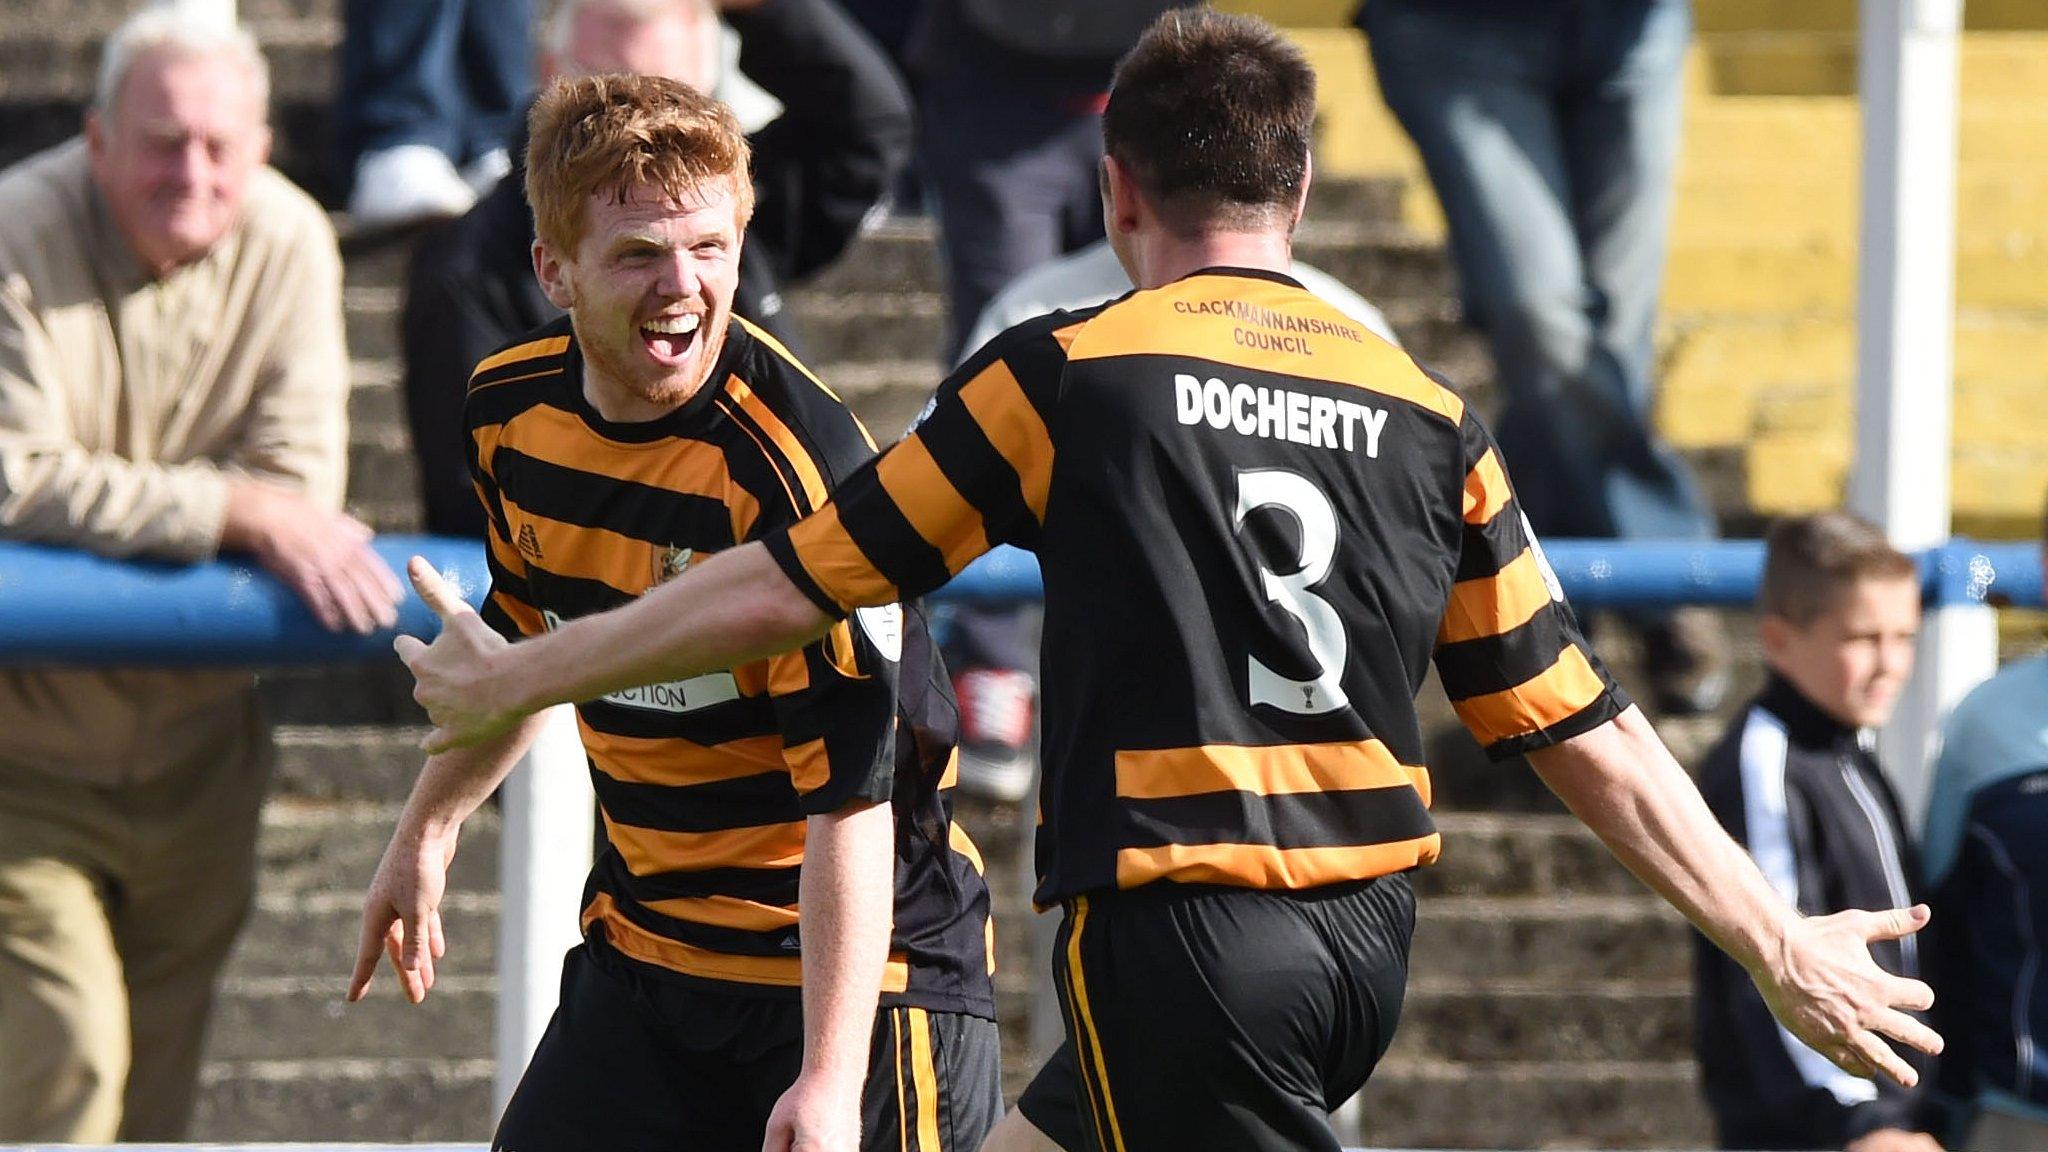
[1011,169]
[1549,129]
[454,74]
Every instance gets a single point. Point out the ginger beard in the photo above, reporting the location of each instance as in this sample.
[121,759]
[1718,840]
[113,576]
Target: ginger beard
[649,290]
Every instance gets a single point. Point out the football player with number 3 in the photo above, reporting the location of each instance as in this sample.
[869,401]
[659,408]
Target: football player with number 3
[1257,524]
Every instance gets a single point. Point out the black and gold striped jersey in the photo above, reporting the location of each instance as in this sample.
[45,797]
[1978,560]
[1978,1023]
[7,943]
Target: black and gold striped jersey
[1256,523]
[704,784]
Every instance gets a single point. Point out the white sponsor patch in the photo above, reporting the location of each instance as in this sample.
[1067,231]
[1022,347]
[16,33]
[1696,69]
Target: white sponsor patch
[671,696]
[884,628]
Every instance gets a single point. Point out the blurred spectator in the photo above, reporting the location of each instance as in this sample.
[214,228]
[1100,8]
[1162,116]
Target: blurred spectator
[1010,98]
[1986,863]
[1795,783]
[819,168]
[172,382]
[430,92]
[1549,129]
[889,22]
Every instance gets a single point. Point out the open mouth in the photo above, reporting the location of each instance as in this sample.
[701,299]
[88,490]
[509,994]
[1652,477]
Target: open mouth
[670,338]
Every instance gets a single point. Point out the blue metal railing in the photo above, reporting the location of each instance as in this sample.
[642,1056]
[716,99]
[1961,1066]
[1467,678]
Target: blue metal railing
[64,606]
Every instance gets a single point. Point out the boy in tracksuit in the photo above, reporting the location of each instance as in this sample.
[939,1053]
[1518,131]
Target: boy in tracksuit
[1795,783]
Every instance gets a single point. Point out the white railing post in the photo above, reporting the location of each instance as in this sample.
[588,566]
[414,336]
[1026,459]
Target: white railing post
[1904,340]
[543,857]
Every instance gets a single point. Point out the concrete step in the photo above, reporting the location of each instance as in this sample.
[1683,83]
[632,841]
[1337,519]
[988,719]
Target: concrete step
[375,693]
[371,312]
[374,400]
[1717,372]
[1625,1104]
[1994,64]
[1765,280]
[1995,490]
[312,935]
[389,516]
[1537,855]
[1492,1024]
[1709,16]
[1750,135]
[1819,209]
[277,1017]
[381,465]
[1583,938]
[321,765]
[311,847]
[391,1100]
[1716,16]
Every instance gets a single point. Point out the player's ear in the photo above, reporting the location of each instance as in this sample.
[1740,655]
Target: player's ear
[553,275]
[1122,206]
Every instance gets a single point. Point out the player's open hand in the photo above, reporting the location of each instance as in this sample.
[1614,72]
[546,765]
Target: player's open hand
[454,676]
[402,913]
[816,1114]
[1825,988]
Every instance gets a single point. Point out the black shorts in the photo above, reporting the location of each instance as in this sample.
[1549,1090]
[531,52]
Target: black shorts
[634,1061]
[1220,1018]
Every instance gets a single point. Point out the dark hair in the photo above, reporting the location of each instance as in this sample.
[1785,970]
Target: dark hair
[1212,114]
[1809,559]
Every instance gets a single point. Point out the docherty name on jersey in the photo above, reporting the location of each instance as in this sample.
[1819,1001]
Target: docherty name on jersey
[1275,413]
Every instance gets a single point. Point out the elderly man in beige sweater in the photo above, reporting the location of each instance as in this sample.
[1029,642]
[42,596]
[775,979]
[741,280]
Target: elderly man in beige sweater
[173,384]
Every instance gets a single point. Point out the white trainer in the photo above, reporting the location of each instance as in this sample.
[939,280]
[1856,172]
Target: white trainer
[483,173]
[406,185]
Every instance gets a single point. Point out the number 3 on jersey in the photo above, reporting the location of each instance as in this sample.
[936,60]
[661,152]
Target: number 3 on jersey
[1278,487]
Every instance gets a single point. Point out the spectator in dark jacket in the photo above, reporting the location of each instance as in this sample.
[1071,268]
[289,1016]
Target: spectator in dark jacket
[1795,783]
[843,134]
[1985,860]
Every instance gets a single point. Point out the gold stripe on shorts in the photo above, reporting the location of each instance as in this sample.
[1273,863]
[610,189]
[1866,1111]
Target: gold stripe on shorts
[1085,1026]
[924,1075]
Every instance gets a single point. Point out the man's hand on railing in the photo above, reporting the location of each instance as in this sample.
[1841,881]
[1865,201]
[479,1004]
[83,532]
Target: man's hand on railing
[452,675]
[323,556]
[1825,988]
[402,913]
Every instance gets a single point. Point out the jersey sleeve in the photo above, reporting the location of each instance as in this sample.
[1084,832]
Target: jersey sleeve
[973,473]
[508,608]
[836,707]
[835,700]
[1512,659]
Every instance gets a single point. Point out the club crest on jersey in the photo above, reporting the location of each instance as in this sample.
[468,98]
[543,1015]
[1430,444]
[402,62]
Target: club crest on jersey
[669,563]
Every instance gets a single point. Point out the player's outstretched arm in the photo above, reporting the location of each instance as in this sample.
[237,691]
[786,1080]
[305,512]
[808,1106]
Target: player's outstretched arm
[1815,972]
[846,893]
[736,606]
[402,910]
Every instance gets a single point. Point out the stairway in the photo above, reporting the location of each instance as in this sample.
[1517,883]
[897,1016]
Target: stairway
[1756,344]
